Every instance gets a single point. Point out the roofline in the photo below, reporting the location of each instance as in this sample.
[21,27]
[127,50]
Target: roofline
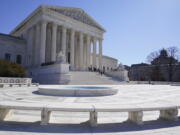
[40,8]
[10,36]
[52,6]
[74,19]
[110,57]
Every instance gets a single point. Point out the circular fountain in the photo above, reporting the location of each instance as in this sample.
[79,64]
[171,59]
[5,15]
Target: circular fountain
[55,90]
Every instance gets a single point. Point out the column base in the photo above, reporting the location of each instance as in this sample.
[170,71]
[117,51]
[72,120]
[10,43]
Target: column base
[171,114]
[93,119]
[5,113]
[45,117]
[135,117]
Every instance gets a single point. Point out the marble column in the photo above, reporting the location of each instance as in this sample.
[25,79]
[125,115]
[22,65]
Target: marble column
[94,53]
[85,54]
[43,41]
[34,37]
[76,52]
[37,46]
[72,53]
[48,43]
[88,50]
[59,41]
[64,32]
[29,46]
[100,54]
[54,35]
[81,51]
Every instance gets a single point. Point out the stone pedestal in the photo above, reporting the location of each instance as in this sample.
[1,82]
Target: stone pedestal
[171,114]
[121,75]
[93,119]
[4,113]
[45,117]
[136,117]
[51,74]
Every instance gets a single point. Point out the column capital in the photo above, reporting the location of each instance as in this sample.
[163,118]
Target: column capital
[54,25]
[100,39]
[81,34]
[72,30]
[88,36]
[44,22]
[64,28]
[37,27]
[94,39]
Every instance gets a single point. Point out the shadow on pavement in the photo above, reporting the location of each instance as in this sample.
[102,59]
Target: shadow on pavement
[85,128]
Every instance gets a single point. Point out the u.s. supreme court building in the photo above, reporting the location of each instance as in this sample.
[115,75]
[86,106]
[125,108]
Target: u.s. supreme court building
[50,30]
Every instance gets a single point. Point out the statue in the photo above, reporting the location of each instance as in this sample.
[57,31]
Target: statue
[60,57]
[121,67]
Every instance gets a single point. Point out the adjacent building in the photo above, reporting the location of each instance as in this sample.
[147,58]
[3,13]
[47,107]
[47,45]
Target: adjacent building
[13,48]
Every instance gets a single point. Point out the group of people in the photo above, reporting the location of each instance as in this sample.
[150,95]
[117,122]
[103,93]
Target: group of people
[94,69]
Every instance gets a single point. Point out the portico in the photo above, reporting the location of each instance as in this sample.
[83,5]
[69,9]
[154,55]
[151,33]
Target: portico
[69,30]
[75,45]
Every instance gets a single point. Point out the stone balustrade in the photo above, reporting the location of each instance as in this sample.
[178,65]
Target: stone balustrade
[135,113]
[16,81]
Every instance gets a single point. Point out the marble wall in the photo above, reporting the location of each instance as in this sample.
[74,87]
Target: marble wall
[12,46]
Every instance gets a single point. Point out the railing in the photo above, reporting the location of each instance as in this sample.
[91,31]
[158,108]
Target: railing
[9,80]
[135,113]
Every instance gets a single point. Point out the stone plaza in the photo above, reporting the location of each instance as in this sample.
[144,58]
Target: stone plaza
[132,96]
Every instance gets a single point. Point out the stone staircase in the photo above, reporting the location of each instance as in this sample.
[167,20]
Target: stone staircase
[91,78]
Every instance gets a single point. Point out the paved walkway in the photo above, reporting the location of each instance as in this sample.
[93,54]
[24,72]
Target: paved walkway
[68,123]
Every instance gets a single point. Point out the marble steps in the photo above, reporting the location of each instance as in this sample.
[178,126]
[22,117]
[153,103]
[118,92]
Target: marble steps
[90,78]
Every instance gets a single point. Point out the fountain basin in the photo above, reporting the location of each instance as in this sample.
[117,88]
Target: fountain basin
[54,90]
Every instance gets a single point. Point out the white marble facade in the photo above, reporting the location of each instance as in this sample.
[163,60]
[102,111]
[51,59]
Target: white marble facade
[49,30]
[11,48]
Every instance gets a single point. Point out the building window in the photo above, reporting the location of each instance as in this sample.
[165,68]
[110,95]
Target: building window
[69,55]
[104,69]
[18,59]
[7,56]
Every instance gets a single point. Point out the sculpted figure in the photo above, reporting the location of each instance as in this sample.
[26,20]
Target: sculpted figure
[121,67]
[60,57]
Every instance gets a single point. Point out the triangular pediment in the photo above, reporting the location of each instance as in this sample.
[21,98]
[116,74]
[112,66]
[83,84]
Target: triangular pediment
[73,13]
[76,14]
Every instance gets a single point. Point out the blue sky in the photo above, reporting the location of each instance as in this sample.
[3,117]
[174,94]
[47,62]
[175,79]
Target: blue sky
[134,27]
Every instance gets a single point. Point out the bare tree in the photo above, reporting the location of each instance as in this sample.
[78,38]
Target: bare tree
[168,62]
[173,52]
[152,56]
